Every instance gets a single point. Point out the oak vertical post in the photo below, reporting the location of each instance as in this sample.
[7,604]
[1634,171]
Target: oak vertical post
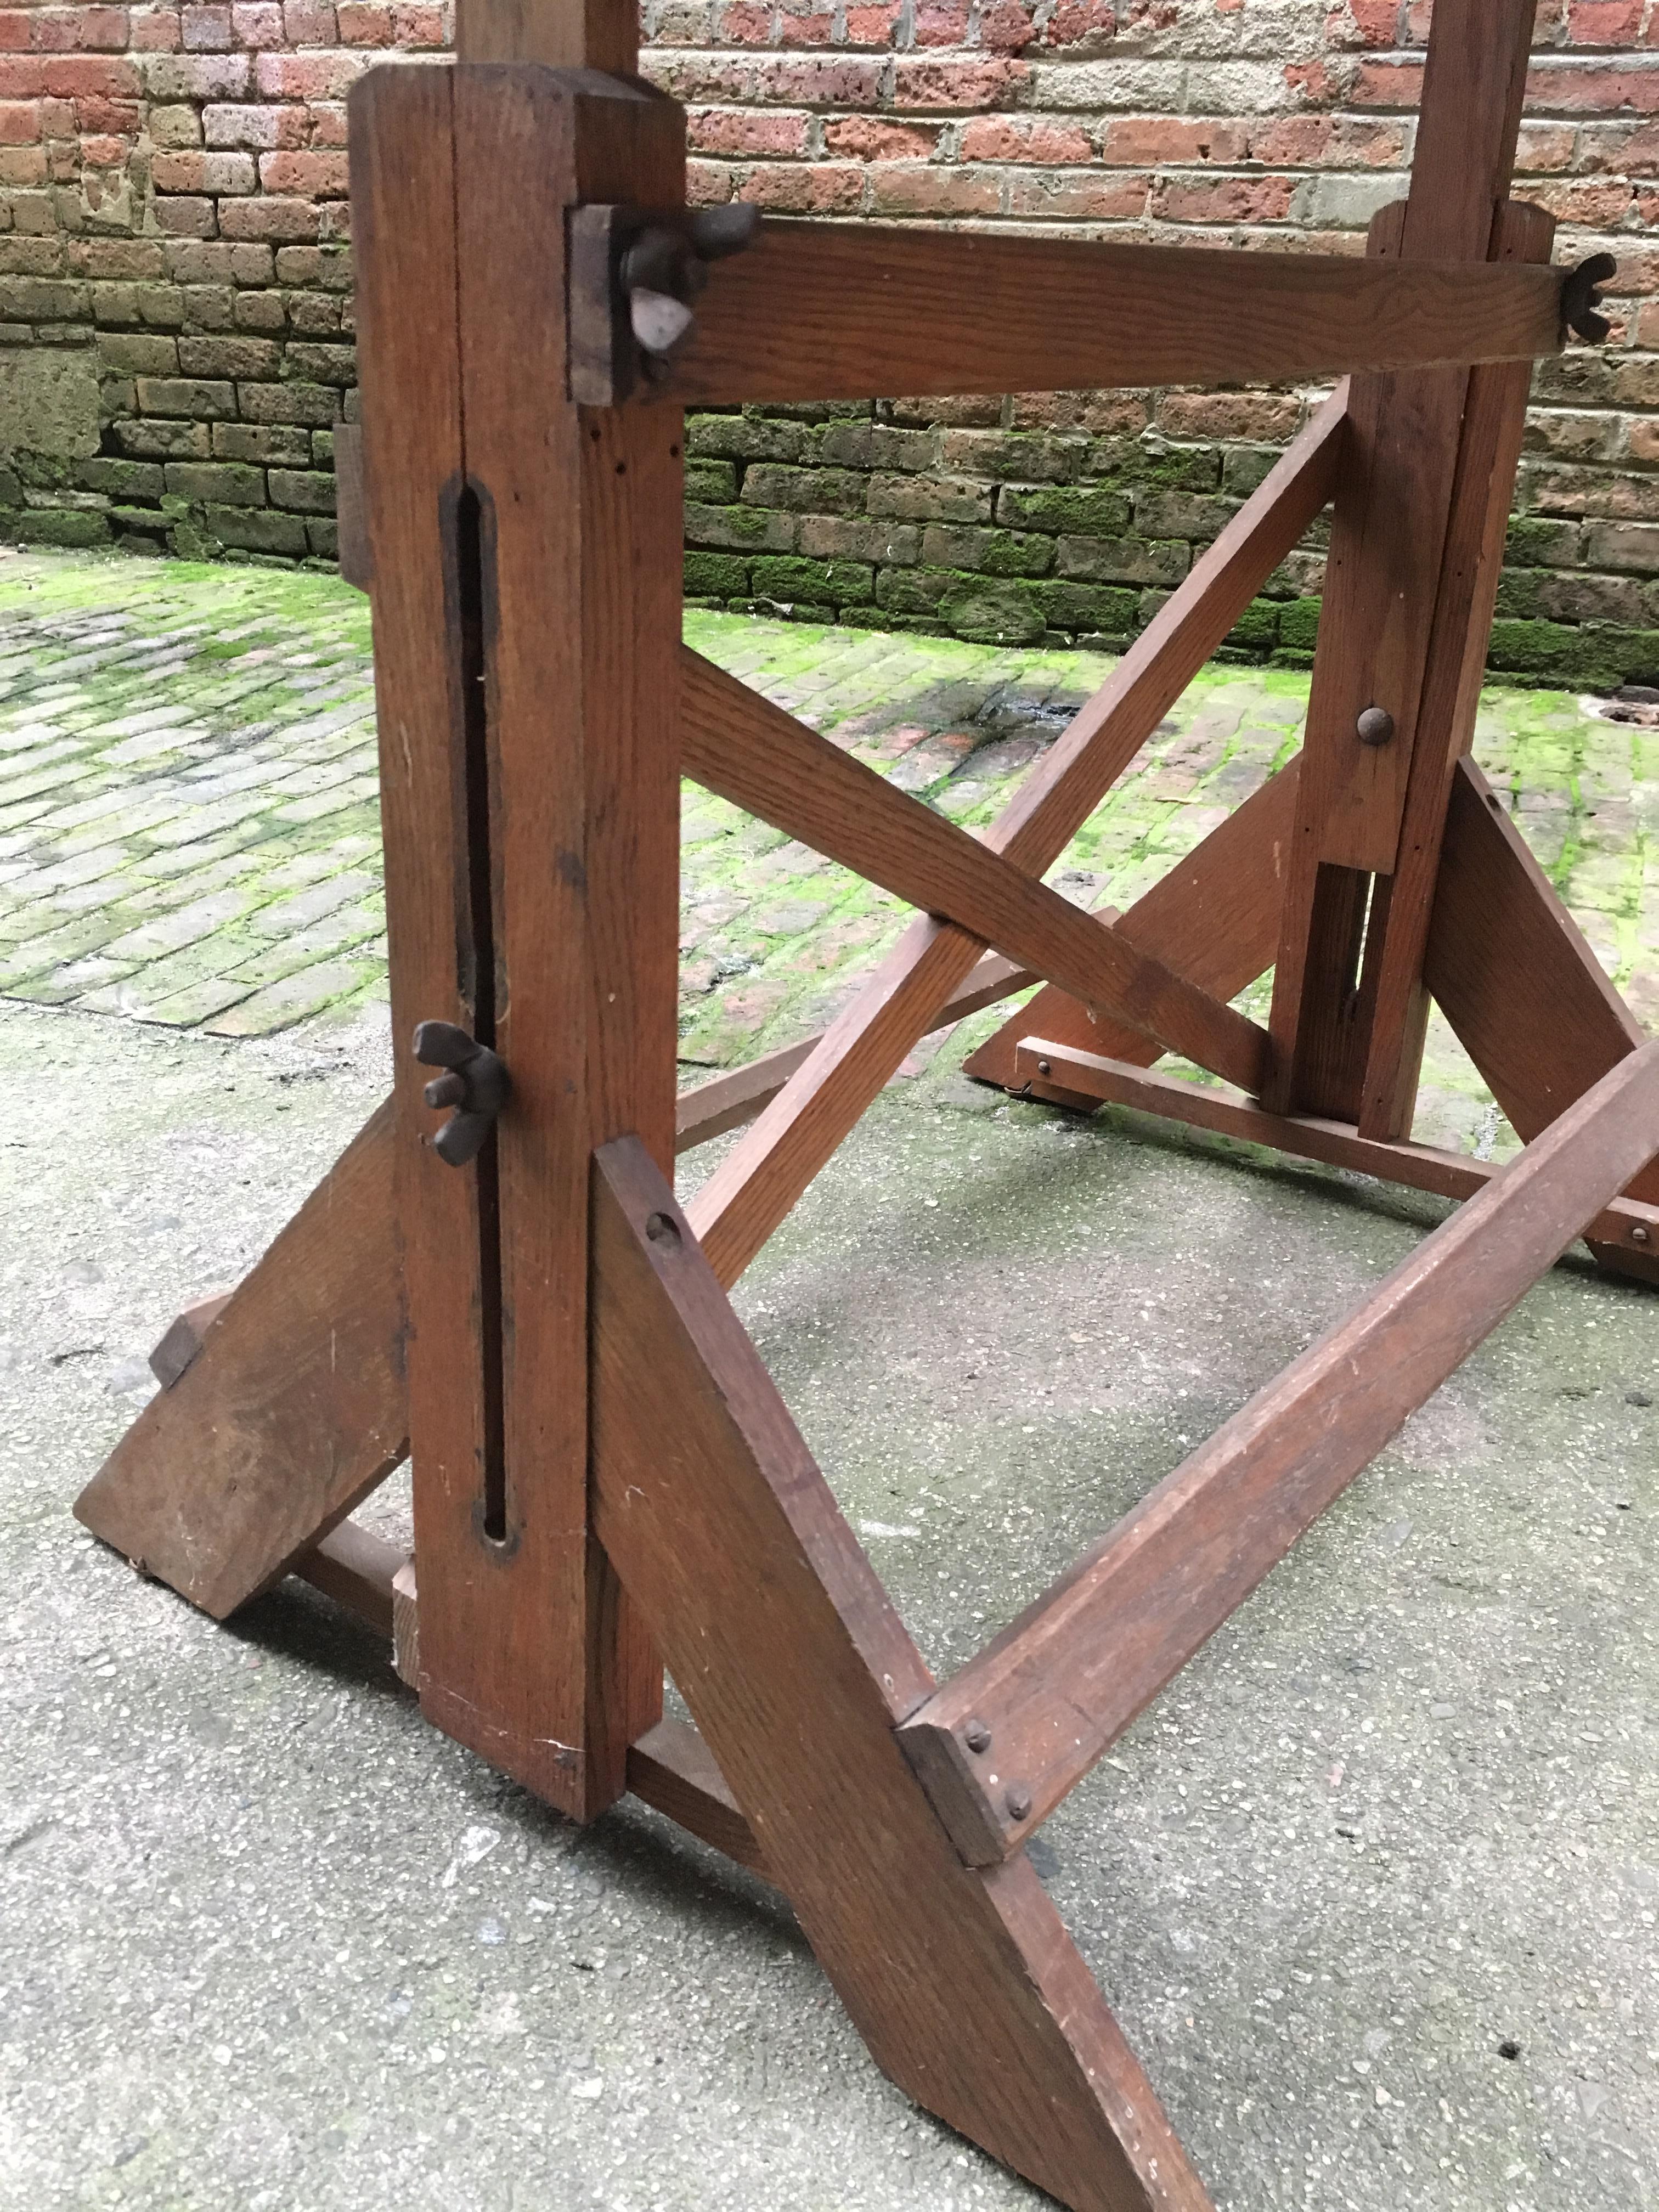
[527,559]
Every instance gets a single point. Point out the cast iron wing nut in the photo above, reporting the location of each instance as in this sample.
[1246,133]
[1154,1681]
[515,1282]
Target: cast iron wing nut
[477,1085]
[663,271]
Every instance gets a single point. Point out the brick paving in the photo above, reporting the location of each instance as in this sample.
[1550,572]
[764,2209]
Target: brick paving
[189,826]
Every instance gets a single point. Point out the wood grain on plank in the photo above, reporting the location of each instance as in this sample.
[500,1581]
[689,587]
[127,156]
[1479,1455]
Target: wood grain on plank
[1061,1683]
[796,1668]
[1214,919]
[738,745]
[357,1569]
[753,1189]
[672,1768]
[854,310]
[291,1411]
[1068,1076]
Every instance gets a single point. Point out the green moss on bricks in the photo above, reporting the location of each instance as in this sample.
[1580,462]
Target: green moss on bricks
[717,575]
[1597,656]
[1299,624]
[839,582]
[58,526]
[1257,628]
[712,483]
[1087,513]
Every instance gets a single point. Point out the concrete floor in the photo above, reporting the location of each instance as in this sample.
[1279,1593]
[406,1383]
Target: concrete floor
[271,1943]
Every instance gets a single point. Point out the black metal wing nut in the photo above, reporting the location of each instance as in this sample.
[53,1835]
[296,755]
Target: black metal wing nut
[1581,299]
[665,268]
[477,1085]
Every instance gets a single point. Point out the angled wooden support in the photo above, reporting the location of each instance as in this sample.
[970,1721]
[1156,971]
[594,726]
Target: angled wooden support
[860,310]
[797,1669]
[1048,1696]
[754,1189]
[738,745]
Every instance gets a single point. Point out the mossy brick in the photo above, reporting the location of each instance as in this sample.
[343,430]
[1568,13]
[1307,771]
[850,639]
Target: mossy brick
[314,405]
[321,364]
[197,398]
[235,357]
[1535,542]
[1150,464]
[266,312]
[928,499]
[1518,594]
[992,612]
[811,410]
[838,582]
[803,491]
[1299,624]
[743,438]
[11,488]
[44,299]
[149,521]
[322,448]
[1073,607]
[138,353]
[1162,560]
[717,575]
[120,479]
[875,446]
[791,611]
[1014,456]
[986,552]
[711,483]
[310,490]
[258,442]
[1257,628]
[1180,514]
[157,439]
[918,592]
[1086,511]
[1597,656]
[1245,469]
[58,526]
[230,483]
[854,538]
[739,529]
[323,537]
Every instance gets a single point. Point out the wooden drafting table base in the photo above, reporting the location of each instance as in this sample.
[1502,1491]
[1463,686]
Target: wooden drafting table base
[606,1482]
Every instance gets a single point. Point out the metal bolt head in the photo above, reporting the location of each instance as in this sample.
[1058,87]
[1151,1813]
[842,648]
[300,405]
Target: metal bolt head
[1045,1068]
[1375,727]
[976,1736]
[1018,1802]
[1639,1235]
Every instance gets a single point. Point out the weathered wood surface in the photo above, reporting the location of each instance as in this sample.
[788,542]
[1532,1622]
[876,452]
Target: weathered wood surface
[753,1189]
[738,745]
[855,310]
[796,1668]
[1059,1685]
[672,1768]
[290,1413]
[357,1569]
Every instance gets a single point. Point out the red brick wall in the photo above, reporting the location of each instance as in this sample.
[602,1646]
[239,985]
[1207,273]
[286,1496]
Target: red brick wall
[173,247]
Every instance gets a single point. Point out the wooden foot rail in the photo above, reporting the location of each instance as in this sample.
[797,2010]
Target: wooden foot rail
[1054,1691]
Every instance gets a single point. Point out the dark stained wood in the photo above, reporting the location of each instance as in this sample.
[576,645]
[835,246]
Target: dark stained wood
[672,1768]
[565,34]
[854,310]
[183,1339]
[1214,918]
[1494,428]
[755,1186]
[1060,1684]
[290,1414]
[796,1669]
[357,1570]
[1087,1080]
[738,745]
[1512,973]
[708,1110]
[350,513]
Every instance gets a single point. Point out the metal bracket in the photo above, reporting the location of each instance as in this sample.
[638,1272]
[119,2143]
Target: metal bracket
[1580,297]
[477,1086]
[634,274]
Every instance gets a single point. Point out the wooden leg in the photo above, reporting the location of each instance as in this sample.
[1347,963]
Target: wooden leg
[291,1410]
[526,614]
[1214,919]
[964,1984]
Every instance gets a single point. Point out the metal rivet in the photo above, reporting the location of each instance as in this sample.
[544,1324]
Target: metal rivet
[662,1230]
[1375,727]
[1639,1235]
[1018,1802]
[976,1736]
[1045,1068]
